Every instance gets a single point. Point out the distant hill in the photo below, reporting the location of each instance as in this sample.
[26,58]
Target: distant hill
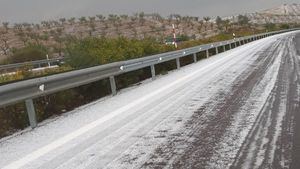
[286,9]
[287,13]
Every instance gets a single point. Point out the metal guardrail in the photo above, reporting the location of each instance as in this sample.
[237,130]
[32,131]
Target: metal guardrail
[34,88]
[37,63]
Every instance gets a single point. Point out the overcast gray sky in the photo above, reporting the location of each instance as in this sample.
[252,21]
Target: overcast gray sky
[37,10]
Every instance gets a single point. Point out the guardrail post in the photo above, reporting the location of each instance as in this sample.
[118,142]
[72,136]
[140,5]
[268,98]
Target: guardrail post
[207,53]
[224,48]
[217,50]
[153,71]
[239,43]
[195,57]
[178,63]
[113,85]
[31,113]
[230,46]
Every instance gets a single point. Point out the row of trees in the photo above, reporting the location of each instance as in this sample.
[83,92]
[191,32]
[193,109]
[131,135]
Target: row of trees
[55,31]
[57,38]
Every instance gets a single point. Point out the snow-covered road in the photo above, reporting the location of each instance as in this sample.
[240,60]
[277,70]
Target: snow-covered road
[235,110]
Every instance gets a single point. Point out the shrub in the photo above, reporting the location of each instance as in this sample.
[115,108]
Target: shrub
[28,53]
[96,51]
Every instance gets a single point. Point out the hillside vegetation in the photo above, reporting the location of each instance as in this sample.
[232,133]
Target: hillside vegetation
[55,34]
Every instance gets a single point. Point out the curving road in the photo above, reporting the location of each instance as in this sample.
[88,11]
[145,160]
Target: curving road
[239,109]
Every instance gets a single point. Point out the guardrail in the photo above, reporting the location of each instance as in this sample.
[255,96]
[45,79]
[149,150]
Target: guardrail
[35,64]
[34,88]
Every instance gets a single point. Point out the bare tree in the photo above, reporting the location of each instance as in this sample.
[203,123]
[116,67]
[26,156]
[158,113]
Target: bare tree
[211,26]
[206,19]
[92,28]
[125,17]
[142,18]
[5,25]
[227,24]
[62,20]
[82,20]
[4,46]
[100,17]
[92,19]
[46,24]
[72,21]
[177,20]
[37,26]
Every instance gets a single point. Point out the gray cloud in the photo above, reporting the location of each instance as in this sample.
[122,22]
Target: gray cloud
[37,10]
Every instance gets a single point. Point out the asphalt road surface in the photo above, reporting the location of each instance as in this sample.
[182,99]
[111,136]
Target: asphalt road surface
[239,109]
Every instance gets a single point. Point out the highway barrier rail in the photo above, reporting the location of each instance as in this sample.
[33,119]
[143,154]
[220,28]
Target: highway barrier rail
[34,64]
[28,90]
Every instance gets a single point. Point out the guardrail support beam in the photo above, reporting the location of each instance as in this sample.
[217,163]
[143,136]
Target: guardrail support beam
[178,63]
[217,50]
[230,46]
[224,48]
[31,113]
[153,71]
[195,57]
[207,53]
[113,85]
